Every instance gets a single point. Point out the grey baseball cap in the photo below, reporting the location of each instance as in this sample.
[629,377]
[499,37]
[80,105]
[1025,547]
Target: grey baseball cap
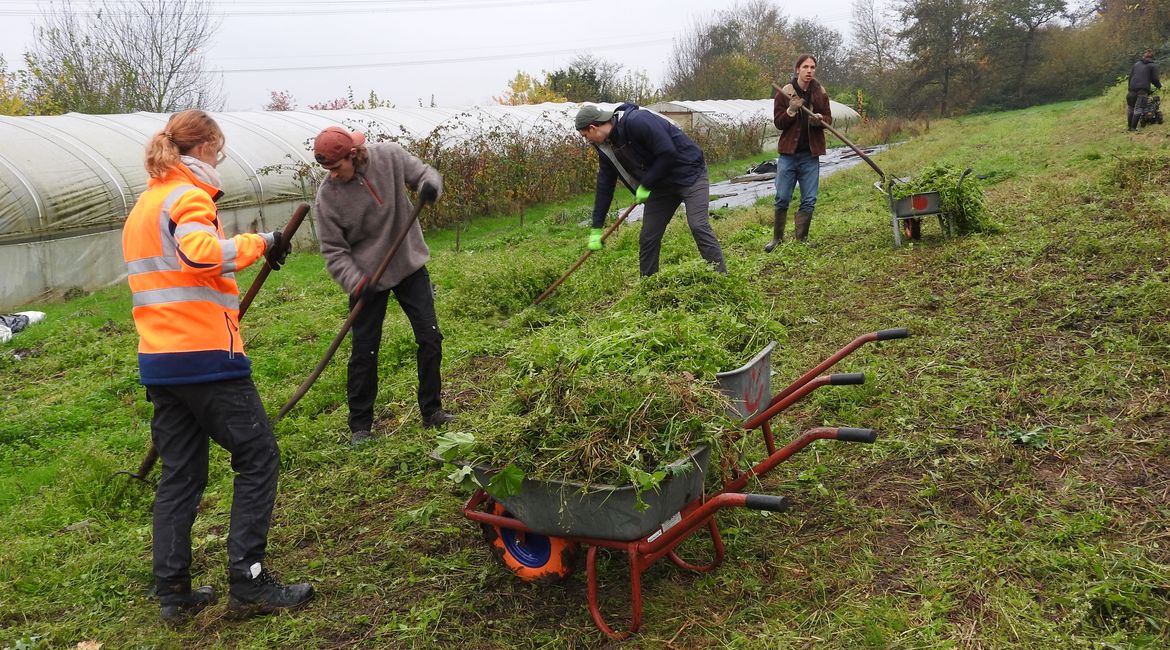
[590,114]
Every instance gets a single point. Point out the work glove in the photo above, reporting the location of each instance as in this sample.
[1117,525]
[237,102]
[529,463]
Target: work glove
[815,119]
[641,194]
[794,104]
[277,251]
[595,239]
[364,291]
[428,193]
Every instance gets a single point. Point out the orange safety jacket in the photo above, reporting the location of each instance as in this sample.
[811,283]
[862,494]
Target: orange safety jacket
[181,270]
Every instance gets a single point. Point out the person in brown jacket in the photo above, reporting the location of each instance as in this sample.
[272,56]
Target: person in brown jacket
[802,143]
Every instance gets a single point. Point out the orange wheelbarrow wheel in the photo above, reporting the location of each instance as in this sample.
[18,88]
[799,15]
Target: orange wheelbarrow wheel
[532,557]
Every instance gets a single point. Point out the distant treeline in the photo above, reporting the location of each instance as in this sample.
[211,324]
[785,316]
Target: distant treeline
[905,58]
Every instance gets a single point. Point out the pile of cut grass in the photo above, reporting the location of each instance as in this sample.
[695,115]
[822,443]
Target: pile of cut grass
[621,394]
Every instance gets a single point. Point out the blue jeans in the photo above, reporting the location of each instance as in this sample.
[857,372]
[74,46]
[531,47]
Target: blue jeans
[797,168]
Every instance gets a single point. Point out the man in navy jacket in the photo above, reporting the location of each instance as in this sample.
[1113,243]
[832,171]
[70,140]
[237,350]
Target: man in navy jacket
[661,166]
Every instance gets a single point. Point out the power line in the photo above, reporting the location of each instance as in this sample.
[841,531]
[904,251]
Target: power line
[611,42]
[233,9]
[469,59]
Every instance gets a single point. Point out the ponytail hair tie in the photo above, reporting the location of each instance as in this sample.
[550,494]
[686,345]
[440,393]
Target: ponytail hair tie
[169,136]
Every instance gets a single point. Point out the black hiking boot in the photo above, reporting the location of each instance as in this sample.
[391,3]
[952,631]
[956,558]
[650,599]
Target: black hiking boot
[263,594]
[178,602]
[437,419]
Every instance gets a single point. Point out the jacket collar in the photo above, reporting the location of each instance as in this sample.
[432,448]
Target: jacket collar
[180,173]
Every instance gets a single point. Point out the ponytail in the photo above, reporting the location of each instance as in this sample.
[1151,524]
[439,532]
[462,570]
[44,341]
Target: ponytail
[183,132]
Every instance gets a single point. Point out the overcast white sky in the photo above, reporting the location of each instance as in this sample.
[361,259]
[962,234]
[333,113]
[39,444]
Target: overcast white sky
[461,52]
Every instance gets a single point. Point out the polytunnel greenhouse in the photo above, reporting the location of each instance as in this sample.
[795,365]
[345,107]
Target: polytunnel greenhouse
[67,182]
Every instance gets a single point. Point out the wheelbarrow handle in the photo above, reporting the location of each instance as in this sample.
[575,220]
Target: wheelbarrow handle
[849,434]
[767,502]
[846,378]
[882,335]
[895,333]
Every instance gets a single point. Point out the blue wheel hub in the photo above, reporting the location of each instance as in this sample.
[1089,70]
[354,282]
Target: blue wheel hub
[533,553]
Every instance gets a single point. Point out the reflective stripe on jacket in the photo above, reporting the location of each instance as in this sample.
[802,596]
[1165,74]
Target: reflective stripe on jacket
[181,270]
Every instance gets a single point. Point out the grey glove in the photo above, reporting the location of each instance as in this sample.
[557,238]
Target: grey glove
[815,119]
[794,104]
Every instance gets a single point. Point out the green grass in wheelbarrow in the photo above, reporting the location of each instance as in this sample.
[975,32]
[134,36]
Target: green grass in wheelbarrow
[615,398]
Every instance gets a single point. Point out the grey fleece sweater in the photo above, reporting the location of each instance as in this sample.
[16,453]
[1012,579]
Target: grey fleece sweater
[358,220]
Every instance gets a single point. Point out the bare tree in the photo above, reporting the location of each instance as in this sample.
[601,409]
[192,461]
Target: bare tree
[128,55]
[873,38]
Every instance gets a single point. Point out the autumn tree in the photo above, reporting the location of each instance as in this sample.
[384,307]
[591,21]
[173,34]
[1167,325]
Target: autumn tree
[1015,27]
[125,56]
[587,78]
[826,44]
[943,40]
[11,92]
[754,44]
[525,89]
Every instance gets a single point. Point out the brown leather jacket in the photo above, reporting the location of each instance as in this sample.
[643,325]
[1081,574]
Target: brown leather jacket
[790,127]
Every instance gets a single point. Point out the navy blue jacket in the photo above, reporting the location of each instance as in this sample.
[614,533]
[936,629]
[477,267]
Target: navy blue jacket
[653,150]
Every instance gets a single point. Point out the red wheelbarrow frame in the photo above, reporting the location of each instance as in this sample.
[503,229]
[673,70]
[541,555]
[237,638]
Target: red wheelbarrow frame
[699,513]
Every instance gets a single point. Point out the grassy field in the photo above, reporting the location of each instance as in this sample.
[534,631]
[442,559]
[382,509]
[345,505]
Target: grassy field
[1018,495]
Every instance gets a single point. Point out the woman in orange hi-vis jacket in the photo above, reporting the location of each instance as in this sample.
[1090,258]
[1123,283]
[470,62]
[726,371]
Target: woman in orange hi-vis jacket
[181,269]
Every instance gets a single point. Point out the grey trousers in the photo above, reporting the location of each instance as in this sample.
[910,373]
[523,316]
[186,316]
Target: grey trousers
[656,216]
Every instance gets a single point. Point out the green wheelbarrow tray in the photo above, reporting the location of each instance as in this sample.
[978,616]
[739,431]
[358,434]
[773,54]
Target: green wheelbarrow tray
[572,509]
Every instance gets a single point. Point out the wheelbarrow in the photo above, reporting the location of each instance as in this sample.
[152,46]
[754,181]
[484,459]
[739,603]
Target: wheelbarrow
[908,211]
[538,533]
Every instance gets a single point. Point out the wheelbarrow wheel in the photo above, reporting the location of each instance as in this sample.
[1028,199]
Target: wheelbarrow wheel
[531,557]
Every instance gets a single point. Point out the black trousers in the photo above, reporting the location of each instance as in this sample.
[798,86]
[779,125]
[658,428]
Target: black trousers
[417,299]
[185,418]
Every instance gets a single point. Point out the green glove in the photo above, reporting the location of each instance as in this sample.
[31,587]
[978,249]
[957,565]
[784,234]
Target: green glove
[642,194]
[595,239]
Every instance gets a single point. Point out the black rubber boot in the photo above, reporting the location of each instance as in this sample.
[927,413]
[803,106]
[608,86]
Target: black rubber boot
[263,594]
[803,219]
[177,601]
[780,222]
